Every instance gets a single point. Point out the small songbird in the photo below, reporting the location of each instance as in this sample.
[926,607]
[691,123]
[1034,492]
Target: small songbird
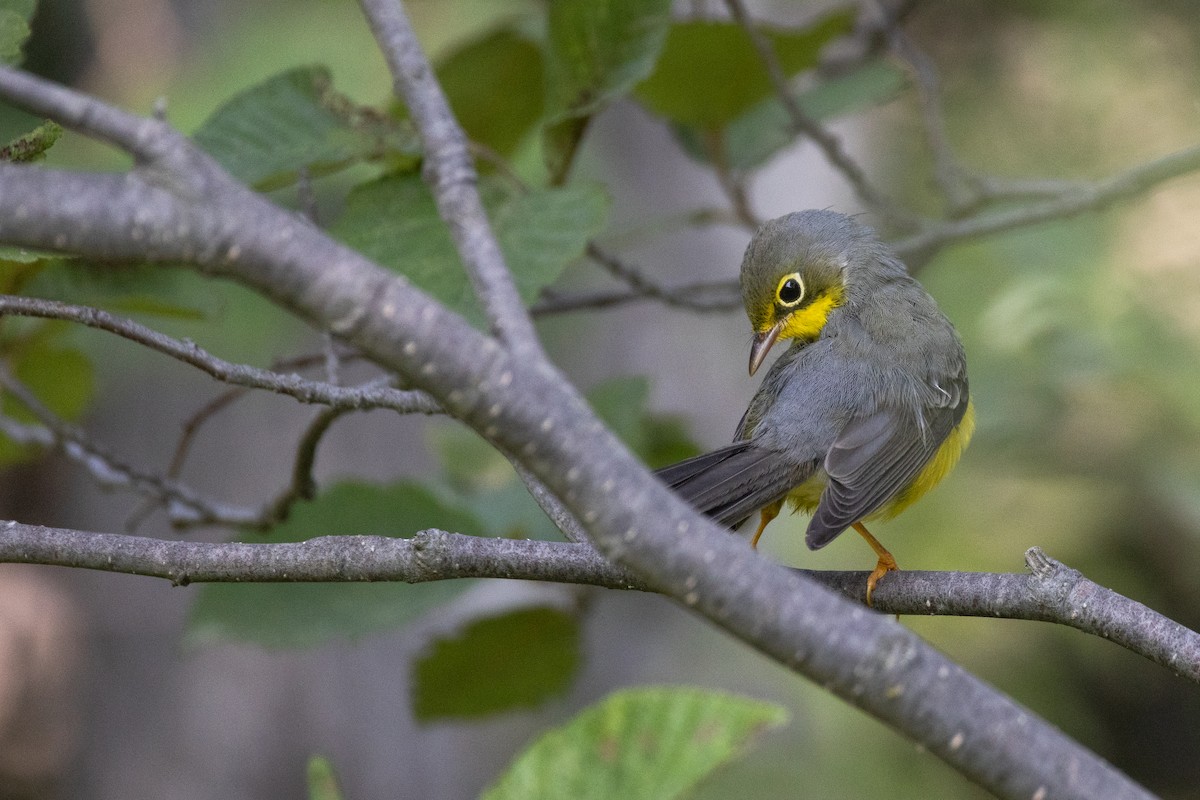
[866,410]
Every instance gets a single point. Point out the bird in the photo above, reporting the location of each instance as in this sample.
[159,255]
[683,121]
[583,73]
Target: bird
[866,410]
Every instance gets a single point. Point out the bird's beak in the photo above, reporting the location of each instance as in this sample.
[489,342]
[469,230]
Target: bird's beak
[762,343]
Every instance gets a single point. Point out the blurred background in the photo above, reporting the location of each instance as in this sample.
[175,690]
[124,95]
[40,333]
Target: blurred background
[1082,339]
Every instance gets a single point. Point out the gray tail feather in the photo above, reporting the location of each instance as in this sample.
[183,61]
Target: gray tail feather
[731,483]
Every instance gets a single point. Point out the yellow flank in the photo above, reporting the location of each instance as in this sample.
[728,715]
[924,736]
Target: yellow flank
[938,467]
[807,495]
[806,323]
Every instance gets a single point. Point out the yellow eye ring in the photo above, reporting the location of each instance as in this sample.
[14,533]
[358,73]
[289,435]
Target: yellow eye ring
[790,290]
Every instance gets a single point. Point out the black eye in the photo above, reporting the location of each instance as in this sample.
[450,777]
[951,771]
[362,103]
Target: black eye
[790,291]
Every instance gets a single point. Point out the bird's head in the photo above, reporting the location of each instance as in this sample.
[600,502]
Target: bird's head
[795,274]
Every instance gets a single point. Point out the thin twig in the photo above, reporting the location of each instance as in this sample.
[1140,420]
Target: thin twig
[303,485]
[184,505]
[716,296]
[451,174]
[192,425]
[306,391]
[947,172]
[802,123]
[551,506]
[921,246]
[703,297]
[729,179]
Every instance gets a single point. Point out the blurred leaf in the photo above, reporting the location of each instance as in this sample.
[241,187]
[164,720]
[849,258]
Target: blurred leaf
[14,28]
[293,121]
[21,255]
[394,220]
[621,404]
[154,306]
[869,85]
[19,267]
[654,743]
[61,378]
[495,88]
[709,72]
[765,128]
[667,441]
[480,480]
[657,439]
[596,51]
[307,614]
[470,463]
[475,673]
[31,146]
[322,780]
[541,232]
[125,289]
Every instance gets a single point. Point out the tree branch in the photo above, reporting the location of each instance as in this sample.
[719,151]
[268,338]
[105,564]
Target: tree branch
[362,398]
[1050,592]
[706,297]
[922,246]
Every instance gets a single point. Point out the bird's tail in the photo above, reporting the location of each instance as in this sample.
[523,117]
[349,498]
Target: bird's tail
[732,483]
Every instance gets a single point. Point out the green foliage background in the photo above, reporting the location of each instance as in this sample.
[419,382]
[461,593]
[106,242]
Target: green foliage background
[1081,337]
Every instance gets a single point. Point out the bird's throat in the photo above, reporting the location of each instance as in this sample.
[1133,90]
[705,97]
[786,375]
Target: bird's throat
[806,324]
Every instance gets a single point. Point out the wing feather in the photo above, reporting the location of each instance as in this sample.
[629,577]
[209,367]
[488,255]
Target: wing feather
[876,457]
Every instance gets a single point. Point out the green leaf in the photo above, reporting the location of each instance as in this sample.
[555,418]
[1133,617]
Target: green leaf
[154,306]
[597,50]
[20,255]
[494,85]
[470,463]
[293,121]
[14,28]
[621,404]
[763,130]
[61,378]
[123,289]
[474,673]
[307,614]
[394,220]
[541,232]
[655,743]
[322,780]
[657,439]
[480,480]
[709,72]
[32,146]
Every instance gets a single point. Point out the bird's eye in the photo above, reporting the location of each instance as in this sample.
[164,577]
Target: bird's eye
[791,289]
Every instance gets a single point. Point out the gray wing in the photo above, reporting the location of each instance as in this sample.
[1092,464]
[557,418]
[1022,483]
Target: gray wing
[877,456]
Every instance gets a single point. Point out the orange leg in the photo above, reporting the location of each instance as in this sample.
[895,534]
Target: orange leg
[886,563]
[764,519]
